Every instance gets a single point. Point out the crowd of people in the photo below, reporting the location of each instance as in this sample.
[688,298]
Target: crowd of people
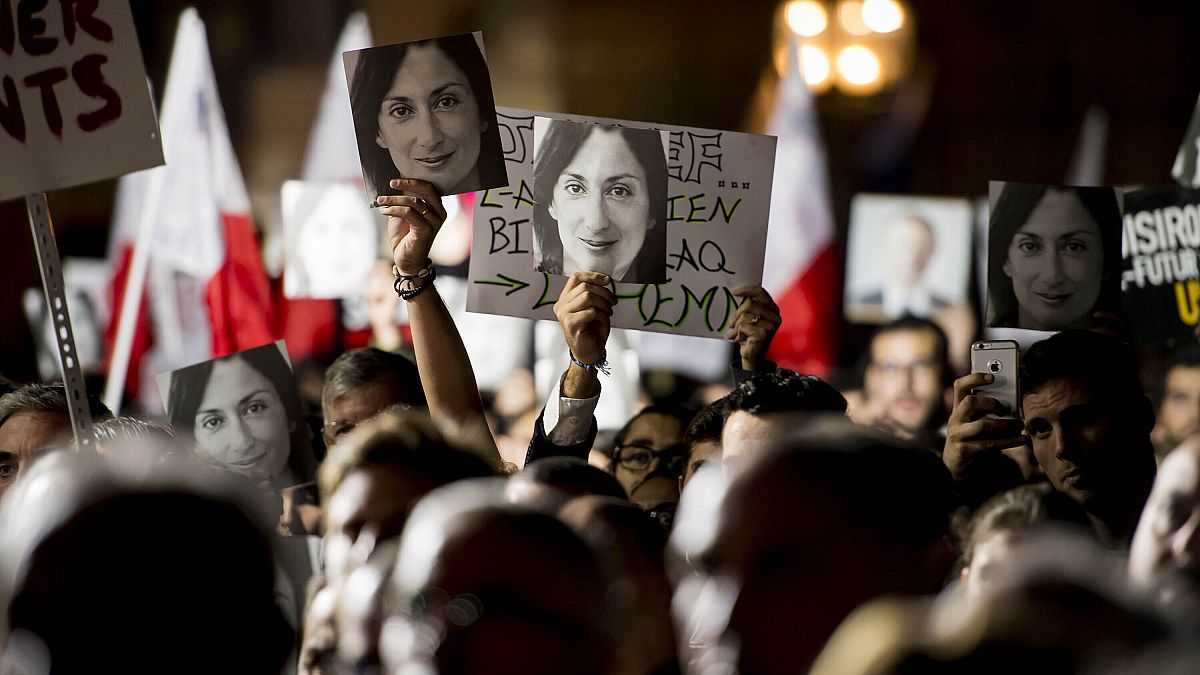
[914,525]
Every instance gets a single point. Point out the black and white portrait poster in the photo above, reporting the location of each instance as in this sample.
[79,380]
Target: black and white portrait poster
[906,255]
[600,195]
[1161,279]
[718,197]
[425,110]
[331,239]
[1053,255]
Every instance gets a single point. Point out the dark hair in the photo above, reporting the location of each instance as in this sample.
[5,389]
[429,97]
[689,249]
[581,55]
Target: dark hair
[403,441]
[557,148]
[707,424]
[366,366]
[785,391]
[187,387]
[573,476]
[373,75]
[1012,209]
[1106,368]
[47,398]
[908,322]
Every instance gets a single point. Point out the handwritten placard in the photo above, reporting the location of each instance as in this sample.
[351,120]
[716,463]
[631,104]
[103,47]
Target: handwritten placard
[74,102]
[718,200]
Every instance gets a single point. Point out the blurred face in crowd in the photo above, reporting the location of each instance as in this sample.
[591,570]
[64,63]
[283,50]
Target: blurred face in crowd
[760,584]
[1076,441]
[1056,263]
[1165,554]
[909,246]
[601,203]
[1179,414]
[650,459]
[484,599]
[429,121]
[701,454]
[344,413]
[994,553]
[369,506]
[744,432]
[241,421]
[23,435]
[904,379]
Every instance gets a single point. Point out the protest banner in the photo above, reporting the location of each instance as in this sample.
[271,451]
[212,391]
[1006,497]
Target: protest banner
[74,108]
[74,103]
[1160,282]
[718,200]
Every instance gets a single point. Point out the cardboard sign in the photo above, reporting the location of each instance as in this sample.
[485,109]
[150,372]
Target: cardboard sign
[1052,255]
[74,103]
[1161,279]
[425,110]
[718,200]
[331,239]
[907,255]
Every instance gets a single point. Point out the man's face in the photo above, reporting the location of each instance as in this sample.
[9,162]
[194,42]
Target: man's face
[1075,441]
[909,245]
[356,406]
[904,379]
[23,435]
[653,438]
[370,505]
[1179,414]
[1165,553]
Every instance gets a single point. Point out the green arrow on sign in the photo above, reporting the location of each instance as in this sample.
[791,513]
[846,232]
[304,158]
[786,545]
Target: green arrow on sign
[514,285]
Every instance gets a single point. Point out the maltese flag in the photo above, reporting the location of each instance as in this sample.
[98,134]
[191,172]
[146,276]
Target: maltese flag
[184,248]
[801,268]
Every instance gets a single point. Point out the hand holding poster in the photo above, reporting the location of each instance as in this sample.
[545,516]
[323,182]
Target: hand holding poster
[717,202]
[1052,255]
[74,105]
[1161,281]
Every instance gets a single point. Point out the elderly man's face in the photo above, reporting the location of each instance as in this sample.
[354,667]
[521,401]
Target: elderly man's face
[909,246]
[23,435]
[1165,554]
[356,406]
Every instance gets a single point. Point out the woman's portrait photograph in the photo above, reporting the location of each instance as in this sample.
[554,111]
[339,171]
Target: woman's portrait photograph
[600,196]
[243,412]
[331,239]
[425,110]
[1054,255]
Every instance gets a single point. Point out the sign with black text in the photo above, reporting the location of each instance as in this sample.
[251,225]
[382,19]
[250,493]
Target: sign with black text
[1161,280]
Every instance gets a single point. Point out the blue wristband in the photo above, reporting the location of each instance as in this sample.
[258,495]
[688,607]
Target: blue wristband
[599,366]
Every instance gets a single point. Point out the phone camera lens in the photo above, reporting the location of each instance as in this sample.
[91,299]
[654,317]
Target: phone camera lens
[994,366]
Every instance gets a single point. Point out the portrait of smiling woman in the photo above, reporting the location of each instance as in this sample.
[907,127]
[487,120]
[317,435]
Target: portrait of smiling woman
[600,196]
[243,411]
[425,110]
[1054,256]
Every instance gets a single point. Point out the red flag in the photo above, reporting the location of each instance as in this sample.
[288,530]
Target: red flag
[801,269]
[206,289]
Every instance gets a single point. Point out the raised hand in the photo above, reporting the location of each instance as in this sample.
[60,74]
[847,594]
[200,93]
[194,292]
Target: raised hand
[754,325]
[584,310]
[970,433]
[414,218]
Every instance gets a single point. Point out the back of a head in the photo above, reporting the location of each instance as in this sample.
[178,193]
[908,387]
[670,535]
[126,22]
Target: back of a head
[47,398]
[785,391]
[178,570]
[368,365]
[119,433]
[1104,366]
[707,424]
[572,476]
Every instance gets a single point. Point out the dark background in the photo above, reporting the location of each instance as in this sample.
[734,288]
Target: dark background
[1009,85]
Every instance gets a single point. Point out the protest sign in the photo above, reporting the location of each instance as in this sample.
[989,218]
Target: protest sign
[425,110]
[331,239]
[906,255]
[74,103]
[718,200]
[1161,280]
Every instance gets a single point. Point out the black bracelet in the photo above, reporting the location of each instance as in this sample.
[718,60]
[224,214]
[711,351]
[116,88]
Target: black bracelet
[406,285]
[599,366]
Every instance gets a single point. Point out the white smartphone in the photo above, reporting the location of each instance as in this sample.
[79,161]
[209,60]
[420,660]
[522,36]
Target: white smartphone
[1001,359]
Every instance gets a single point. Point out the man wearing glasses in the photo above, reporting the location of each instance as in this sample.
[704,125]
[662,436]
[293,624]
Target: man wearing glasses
[904,389]
[649,457]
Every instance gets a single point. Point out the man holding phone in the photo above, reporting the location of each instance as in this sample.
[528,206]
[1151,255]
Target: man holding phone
[1083,415]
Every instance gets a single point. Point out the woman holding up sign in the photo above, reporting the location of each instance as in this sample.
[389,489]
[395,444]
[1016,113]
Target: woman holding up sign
[601,200]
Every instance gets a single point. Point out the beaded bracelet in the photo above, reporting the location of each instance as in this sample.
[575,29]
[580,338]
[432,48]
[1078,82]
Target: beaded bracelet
[600,366]
[406,285]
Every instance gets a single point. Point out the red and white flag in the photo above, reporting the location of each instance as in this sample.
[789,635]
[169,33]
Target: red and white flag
[206,291]
[801,268]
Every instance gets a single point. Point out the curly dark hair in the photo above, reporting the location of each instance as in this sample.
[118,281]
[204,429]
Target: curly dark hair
[785,391]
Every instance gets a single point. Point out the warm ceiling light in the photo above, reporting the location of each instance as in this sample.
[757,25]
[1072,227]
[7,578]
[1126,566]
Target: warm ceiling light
[806,18]
[850,15]
[882,16]
[858,65]
[815,65]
